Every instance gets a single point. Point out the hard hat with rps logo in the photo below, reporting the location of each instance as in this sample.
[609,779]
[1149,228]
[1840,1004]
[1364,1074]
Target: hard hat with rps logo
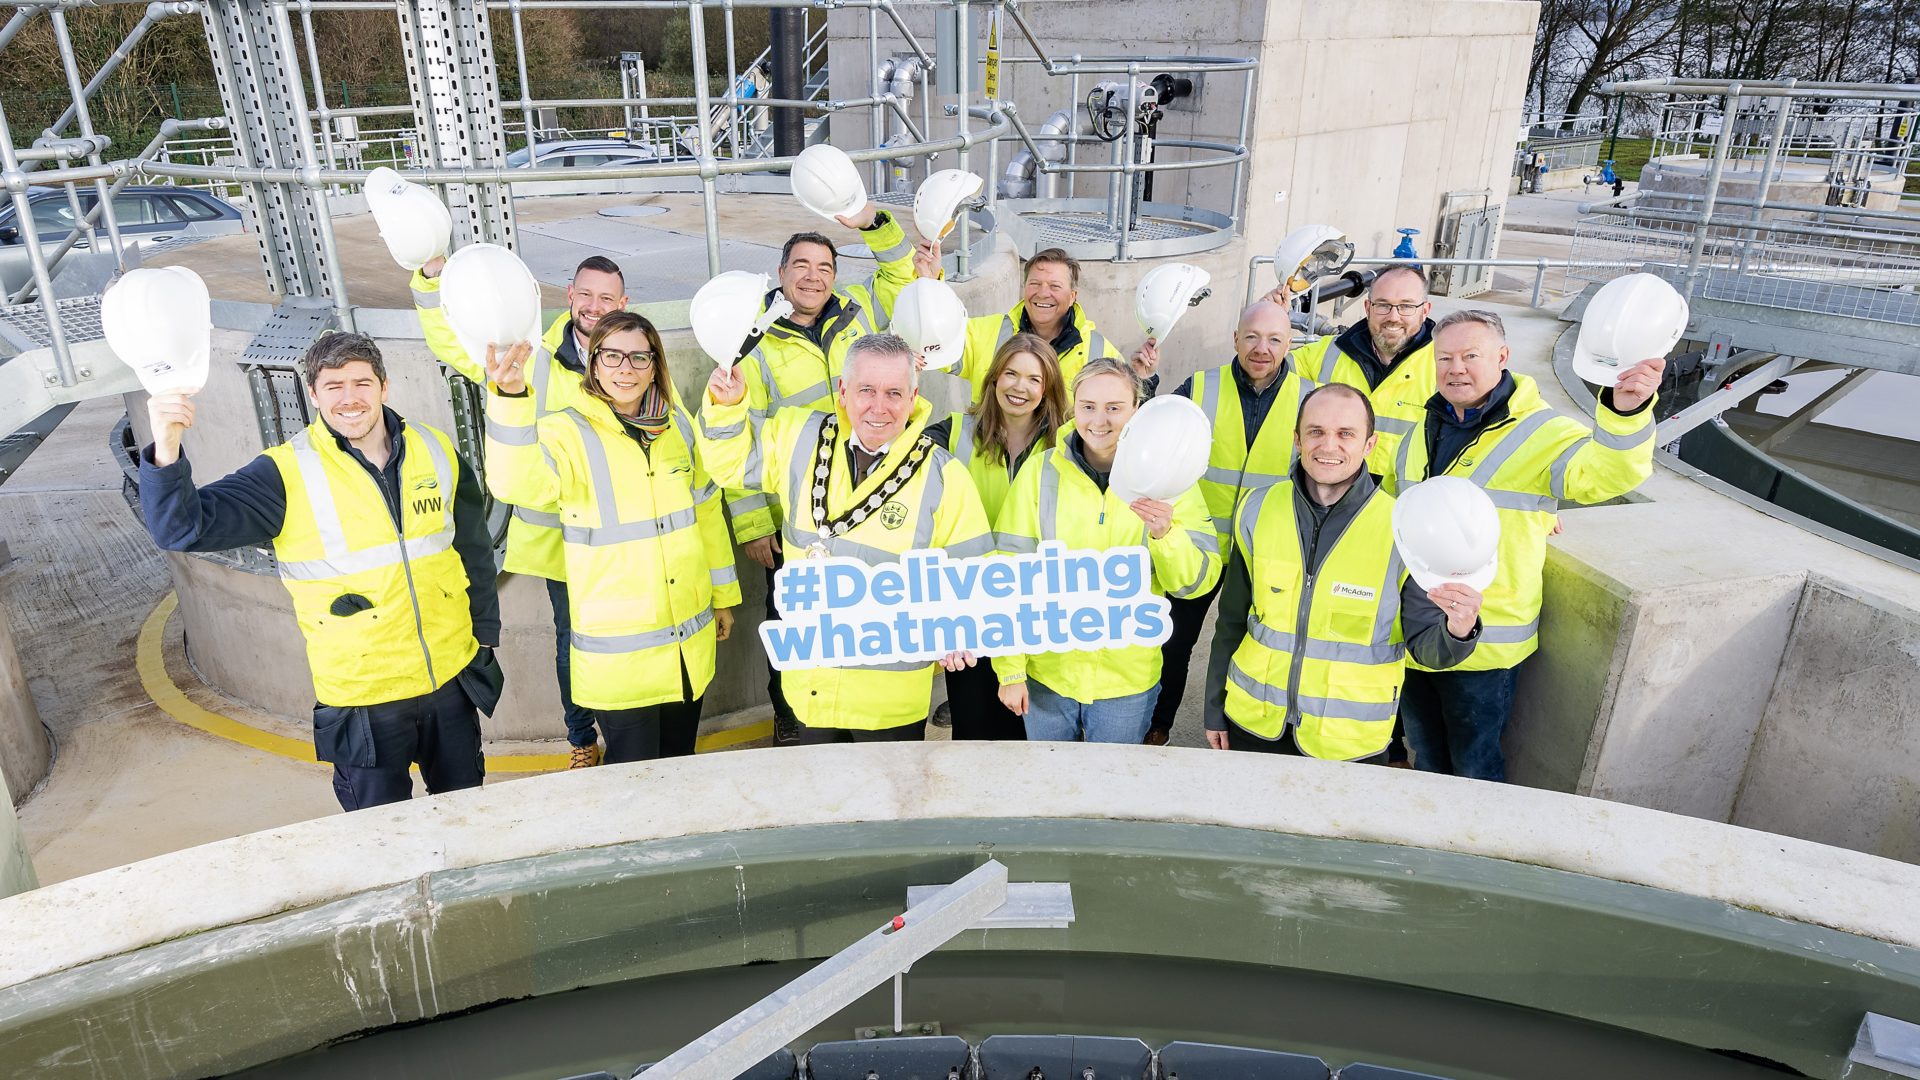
[489,298]
[1162,451]
[414,223]
[937,203]
[827,182]
[1632,318]
[1165,294]
[1447,530]
[159,322]
[727,317]
[1309,252]
[930,316]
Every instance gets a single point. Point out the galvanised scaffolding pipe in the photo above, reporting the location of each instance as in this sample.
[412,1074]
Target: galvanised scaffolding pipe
[156,12]
[16,183]
[77,88]
[1729,113]
[333,274]
[526,89]
[709,167]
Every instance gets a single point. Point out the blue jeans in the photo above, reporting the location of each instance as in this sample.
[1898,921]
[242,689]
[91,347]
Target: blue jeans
[1455,719]
[1062,719]
[579,721]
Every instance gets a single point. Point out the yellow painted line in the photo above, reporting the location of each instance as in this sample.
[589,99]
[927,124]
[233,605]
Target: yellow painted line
[150,662]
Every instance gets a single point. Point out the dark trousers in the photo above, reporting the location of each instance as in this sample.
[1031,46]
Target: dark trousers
[782,712]
[1187,616]
[1455,719]
[579,720]
[653,731]
[973,698]
[820,736]
[1239,738]
[439,731]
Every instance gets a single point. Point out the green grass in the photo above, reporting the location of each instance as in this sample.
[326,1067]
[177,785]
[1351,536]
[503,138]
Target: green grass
[1629,156]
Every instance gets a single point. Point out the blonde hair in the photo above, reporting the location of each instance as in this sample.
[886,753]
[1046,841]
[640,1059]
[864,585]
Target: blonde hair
[1107,365]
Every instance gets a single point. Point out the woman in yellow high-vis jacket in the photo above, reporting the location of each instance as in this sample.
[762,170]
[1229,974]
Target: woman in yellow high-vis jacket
[648,558]
[1103,695]
[1022,413]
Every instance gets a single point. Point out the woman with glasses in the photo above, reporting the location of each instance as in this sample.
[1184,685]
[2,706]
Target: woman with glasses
[1101,695]
[1022,410]
[651,583]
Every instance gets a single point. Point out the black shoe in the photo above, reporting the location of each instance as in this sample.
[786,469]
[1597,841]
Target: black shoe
[786,730]
[1157,736]
[943,715]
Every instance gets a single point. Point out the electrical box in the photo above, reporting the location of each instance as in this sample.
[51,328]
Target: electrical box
[948,25]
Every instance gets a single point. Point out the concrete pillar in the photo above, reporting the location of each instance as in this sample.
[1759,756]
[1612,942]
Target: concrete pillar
[24,757]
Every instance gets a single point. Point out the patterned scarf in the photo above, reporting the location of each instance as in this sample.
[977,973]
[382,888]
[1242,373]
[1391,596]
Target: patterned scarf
[652,418]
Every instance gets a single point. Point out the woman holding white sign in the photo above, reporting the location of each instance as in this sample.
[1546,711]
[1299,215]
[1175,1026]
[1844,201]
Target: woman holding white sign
[1022,412]
[648,559]
[1065,495]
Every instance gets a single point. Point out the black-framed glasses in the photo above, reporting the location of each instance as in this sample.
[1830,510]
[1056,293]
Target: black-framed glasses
[614,359]
[1381,307]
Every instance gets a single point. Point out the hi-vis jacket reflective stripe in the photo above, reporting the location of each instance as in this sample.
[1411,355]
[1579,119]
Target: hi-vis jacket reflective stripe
[1054,499]
[533,536]
[647,553]
[1323,651]
[1233,469]
[1528,462]
[986,333]
[339,540]
[992,477]
[937,508]
[786,370]
[1399,402]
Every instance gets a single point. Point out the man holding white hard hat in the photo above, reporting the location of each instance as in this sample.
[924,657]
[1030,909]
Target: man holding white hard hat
[1318,612]
[1492,427]
[380,536]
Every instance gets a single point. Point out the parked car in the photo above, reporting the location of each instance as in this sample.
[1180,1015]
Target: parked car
[145,214]
[585,154]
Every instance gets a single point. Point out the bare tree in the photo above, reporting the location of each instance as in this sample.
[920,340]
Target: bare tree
[1619,34]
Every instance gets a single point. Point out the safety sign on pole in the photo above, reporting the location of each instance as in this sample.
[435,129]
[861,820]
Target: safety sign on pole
[993,56]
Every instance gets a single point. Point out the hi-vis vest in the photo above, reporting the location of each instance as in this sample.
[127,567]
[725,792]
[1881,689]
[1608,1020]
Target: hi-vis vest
[1233,469]
[1399,402]
[992,477]
[1324,653]
[1528,462]
[937,508]
[1054,499]
[533,536]
[647,552]
[339,541]
[986,333]
[786,370]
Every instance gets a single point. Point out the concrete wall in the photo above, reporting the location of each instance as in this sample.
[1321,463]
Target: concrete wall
[24,751]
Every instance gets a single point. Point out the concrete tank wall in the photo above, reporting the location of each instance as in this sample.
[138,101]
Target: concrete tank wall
[25,753]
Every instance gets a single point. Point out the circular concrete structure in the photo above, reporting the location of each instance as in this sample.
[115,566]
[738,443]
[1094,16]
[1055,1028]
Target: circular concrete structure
[1518,909]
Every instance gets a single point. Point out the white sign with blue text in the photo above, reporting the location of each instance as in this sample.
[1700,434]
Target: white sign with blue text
[840,612]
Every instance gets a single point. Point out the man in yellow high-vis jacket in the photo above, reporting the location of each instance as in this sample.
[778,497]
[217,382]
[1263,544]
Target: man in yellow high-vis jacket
[1318,614]
[1391,352]
[795,362]
[864,482]
[554,375]
[1492,427]
[380,537]
[1050,308]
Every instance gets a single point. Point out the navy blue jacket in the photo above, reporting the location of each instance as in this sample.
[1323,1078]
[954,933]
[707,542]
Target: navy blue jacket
[249,506]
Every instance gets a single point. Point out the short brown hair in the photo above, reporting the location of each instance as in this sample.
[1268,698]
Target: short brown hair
[337,349]
[619,322]
[1337,390]
[1057,257]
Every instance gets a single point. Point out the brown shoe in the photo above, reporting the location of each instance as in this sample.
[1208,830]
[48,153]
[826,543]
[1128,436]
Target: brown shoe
[585,757]
[1156,737]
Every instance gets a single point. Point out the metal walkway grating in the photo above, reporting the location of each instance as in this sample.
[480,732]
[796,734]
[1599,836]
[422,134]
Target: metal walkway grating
[25,326]
[1060,228]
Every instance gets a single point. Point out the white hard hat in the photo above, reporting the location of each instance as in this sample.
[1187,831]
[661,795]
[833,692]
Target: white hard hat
[159,322]
[1632,318]
[930,316]
[827,182]
[415,224]
[1163,450]
[1165,294]
[726,313]
[1309,252]
[1447,530]
[938,201]
[489,298]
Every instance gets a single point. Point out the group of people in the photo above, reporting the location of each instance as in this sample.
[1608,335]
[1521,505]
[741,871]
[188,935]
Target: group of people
[631,502]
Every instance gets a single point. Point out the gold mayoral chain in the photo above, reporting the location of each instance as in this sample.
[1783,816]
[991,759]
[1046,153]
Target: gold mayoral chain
[823,468]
